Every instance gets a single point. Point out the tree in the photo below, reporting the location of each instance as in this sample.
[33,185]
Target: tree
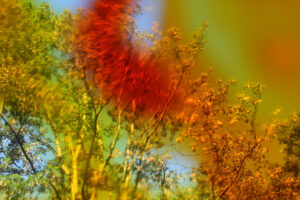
[91,151]
[289,136]
[233,144]
[65,134]
[28,58]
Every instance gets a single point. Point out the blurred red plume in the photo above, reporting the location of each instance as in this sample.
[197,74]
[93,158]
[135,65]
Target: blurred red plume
[126,73]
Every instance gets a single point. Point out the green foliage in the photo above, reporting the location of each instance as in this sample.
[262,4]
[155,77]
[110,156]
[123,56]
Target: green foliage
[60,135]
[28,64]
[289,135]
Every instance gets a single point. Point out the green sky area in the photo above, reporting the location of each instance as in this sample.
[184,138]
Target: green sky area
[248,41]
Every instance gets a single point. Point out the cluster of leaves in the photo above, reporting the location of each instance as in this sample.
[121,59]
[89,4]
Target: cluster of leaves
[289,136]
[60,135]
[28,61]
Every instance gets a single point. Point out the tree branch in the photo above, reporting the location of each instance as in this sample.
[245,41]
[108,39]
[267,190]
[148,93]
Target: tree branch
[20,144]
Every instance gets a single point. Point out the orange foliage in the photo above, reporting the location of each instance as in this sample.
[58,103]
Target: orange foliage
[130,75]
[234,147]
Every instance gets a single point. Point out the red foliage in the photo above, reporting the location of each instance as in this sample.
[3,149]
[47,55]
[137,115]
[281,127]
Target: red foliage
[122,70]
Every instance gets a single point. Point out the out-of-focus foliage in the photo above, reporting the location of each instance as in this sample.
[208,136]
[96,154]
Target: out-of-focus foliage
[234,145]
[289,135]
[52,106]
[61,138]
[28,60]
